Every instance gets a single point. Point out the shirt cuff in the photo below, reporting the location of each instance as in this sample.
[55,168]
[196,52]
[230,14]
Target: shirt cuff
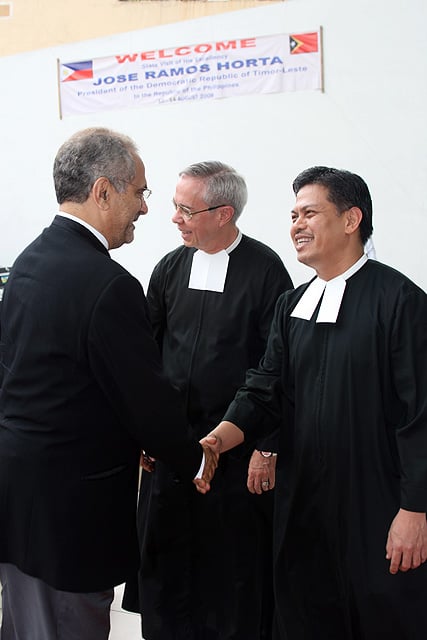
[202,468]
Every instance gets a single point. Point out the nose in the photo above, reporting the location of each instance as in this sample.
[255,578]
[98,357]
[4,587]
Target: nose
[298,222]
[144,206]
[296,226]
[177,216]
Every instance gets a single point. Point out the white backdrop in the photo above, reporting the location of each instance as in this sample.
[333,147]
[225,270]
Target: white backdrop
[370,119]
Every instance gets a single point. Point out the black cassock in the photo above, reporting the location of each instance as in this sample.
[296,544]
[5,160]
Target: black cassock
[206,559]
[351,398]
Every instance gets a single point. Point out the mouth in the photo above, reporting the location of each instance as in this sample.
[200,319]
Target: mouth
[301,241]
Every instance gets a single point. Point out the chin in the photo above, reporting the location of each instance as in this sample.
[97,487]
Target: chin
[303,259]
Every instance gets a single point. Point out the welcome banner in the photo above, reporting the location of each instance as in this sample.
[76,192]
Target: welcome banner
[188,73]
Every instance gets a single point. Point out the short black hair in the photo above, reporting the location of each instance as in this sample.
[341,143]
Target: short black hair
[345,190]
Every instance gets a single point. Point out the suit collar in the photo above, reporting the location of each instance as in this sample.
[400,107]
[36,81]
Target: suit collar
[88,226]
[72,225]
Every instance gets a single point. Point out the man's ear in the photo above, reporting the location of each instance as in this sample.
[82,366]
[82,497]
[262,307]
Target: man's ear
[353,219]
[101,192]
[225,214]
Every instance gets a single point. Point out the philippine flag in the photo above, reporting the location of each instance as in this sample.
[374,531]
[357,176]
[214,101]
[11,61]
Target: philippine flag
[76,71]
[304,43]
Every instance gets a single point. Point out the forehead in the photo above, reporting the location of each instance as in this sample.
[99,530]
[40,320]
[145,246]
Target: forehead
[312,195]
[189,188]
[139,179]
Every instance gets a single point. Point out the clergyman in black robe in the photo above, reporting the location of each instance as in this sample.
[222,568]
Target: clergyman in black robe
[206,565]
[345,376]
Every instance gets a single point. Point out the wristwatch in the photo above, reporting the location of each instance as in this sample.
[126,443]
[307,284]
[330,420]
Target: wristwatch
[268,454]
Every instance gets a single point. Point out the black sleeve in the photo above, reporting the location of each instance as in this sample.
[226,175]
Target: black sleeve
[127,364]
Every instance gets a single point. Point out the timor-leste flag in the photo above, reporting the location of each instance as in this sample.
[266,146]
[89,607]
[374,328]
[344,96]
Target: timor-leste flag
[77,71]
[304,43]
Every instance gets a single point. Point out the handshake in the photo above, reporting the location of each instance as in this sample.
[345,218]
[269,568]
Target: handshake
[212,448]
[224,437]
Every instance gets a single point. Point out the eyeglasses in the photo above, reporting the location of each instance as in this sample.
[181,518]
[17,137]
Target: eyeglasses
[143,194]
[188,214]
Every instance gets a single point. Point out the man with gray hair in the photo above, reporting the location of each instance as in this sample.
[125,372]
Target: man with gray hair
[82,392]
[205,571]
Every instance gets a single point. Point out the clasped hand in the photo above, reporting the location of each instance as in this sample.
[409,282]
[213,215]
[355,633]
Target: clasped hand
[212,448]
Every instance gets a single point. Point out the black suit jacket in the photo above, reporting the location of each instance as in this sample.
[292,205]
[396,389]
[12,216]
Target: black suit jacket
[82,392]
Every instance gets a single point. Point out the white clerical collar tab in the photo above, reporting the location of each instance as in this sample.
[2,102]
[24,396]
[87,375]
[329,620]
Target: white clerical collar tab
[208,271]
[309,300]
[331,302]
[332,291]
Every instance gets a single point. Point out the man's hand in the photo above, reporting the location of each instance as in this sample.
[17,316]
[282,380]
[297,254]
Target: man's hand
[261,473]
[146,462]
[225,436]
[407,541]
[211,463]
[213,441]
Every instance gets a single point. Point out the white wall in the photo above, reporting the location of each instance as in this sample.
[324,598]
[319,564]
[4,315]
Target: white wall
[371,119]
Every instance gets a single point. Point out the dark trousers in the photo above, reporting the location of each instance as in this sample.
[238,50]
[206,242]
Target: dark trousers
[32,610]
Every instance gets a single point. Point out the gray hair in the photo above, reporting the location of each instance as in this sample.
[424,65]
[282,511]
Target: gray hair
[88,155]
[223,184]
